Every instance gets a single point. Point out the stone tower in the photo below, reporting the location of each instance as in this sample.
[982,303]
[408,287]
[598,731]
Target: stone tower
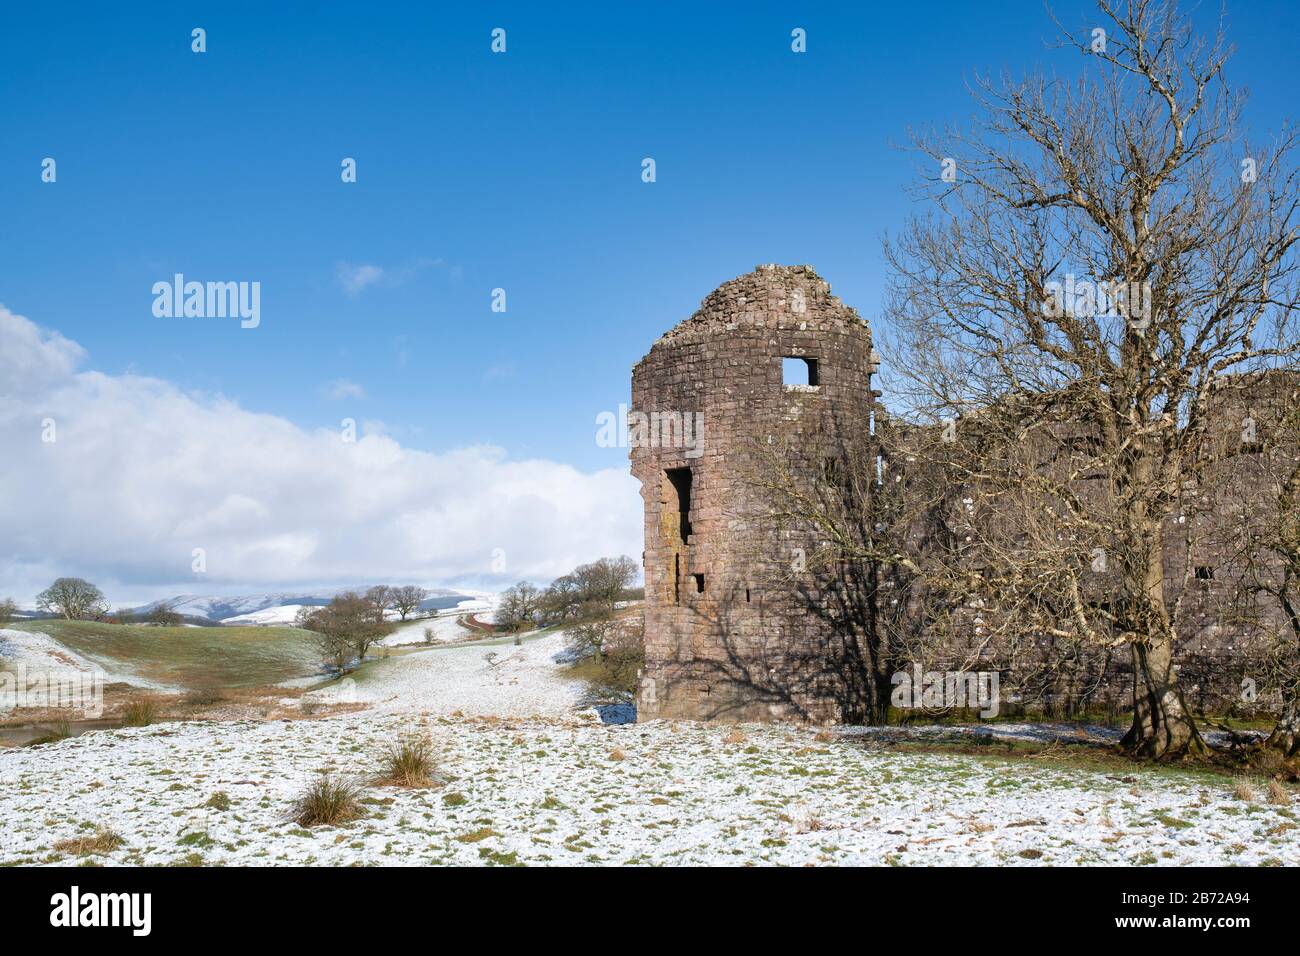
[733,630]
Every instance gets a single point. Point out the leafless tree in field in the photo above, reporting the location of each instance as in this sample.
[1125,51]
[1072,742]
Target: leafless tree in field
[1100,251]
[405,599]
[74,598]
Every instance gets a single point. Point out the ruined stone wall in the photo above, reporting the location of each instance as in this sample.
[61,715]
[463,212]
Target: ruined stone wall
[1211,550]
[734,631]
[726,635]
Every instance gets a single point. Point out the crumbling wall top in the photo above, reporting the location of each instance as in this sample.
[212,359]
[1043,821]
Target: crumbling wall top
[767,298]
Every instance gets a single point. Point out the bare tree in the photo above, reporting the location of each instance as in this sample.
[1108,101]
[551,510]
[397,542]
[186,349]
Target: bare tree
[163,615]
[605,580]
[519,606]
[8,608]
[345,628]
[406,599]
[74,598]
[332,643]
[380,598]
[1100,253]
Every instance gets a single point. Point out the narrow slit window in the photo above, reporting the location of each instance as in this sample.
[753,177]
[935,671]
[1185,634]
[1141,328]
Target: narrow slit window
[699,583]
[799,371]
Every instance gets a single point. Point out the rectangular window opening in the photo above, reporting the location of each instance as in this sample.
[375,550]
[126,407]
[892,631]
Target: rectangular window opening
[679,480]
[699,583]
[1204,573]
[796,370]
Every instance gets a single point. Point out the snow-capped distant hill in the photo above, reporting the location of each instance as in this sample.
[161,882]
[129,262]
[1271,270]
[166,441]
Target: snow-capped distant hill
[280,607]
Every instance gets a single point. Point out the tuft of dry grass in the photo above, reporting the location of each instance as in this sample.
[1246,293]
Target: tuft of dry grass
[219,801]
[205,697]
[329,802]
[735,736]
[824,737]
[1244,791]
[141,712]
[1277,794]
[103,841]
[617,754]
[409,763]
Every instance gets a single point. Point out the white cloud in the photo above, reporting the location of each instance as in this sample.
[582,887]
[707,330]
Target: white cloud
[340,388]
[354,278]
[143,472]
[32,355]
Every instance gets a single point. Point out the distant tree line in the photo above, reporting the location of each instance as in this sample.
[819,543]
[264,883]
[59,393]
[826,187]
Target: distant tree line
[588,591]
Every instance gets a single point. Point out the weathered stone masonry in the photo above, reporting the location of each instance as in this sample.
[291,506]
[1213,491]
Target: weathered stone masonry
[725,635]
[730,631]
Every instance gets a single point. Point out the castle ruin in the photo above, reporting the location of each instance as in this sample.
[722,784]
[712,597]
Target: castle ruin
[770,360]
[775,368]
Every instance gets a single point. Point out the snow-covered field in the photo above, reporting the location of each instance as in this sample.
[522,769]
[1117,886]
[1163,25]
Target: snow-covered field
[571,790]
[488,678]
[528,776]
[446,627]
[284,616]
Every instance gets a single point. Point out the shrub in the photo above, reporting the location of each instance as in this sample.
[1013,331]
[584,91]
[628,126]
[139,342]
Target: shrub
[609,652]
[141,712]
[409,763]
[328,802]
[205,697]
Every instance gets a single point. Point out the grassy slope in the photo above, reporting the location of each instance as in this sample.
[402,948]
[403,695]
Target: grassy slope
[190,657]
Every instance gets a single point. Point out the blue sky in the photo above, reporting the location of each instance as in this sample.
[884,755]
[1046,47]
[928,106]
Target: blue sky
[476,171]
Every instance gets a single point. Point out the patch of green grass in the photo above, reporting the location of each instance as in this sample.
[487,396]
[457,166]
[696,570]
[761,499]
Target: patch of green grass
[497,858]
[193,657]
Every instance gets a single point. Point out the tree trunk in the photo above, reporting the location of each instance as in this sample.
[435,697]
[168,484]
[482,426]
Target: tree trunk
[1286,734]
[1163,728]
